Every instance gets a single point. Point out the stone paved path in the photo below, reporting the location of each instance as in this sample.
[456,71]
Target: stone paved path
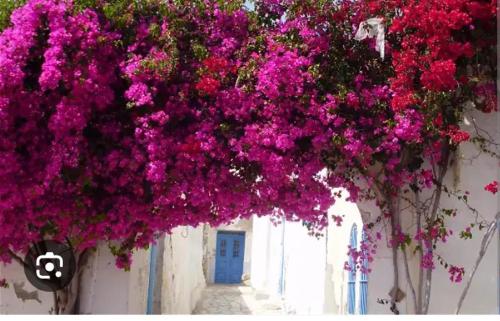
[236,299]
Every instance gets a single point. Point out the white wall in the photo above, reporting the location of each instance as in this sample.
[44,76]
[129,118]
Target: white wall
[471,172]
[338,241]
[22,298]
[104,288]
[266,256]
[483,294]
[108,290]
[475,173]
[305,259]
[183,278]
[289,265]
[260,250]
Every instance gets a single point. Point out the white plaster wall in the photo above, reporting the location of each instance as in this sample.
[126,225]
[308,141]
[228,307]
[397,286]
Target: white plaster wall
[472,173]
[475,173]
[104,288]
[445,294]
[11,300]
[338,241]
[260,249]
[289,265]
[266,256]
[239,225]
[183,278]
[380,279]
[274,257]
[305,259]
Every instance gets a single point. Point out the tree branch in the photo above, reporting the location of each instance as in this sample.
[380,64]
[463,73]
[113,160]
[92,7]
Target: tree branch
[443,168]
[394,226]
[410,282]
[484,246]
[418,309]
[16,258]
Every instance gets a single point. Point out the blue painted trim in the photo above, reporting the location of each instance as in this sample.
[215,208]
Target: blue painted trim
[351,282]
[152,278]
[282,272]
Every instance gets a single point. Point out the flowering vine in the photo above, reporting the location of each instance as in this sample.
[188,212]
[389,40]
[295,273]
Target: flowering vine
[121,120]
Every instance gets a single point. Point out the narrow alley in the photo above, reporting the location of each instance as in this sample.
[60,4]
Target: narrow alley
[237,299]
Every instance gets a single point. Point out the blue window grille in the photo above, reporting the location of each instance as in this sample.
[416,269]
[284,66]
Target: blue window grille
[351,281]
[236,248]
[222,248]
[363,286]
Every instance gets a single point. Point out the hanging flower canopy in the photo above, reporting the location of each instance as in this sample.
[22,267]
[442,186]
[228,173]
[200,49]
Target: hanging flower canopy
[122,119]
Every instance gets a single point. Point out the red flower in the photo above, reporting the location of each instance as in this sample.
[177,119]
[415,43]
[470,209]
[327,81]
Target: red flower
[481,11]
[457,135]
[438,121]
[440,76]
[402,101]
[216,64]
[208,85]
[492,187]
[192,146]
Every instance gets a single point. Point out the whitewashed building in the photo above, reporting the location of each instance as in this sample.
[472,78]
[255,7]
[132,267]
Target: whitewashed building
[308,273]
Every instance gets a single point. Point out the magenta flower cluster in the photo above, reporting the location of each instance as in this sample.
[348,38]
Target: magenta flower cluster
[201,114]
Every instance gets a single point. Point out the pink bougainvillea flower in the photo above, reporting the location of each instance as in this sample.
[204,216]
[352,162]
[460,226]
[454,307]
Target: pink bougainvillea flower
[232,115]
[456,273]
[492,187]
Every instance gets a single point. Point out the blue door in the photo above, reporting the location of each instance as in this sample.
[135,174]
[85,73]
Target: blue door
[229,258]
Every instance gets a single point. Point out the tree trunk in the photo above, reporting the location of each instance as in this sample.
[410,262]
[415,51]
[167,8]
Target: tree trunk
[394,229]
[482,251]
[66,301]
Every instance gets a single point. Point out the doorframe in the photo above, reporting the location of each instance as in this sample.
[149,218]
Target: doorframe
[230,232]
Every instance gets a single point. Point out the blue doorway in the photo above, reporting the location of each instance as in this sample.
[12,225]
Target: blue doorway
[229,258]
